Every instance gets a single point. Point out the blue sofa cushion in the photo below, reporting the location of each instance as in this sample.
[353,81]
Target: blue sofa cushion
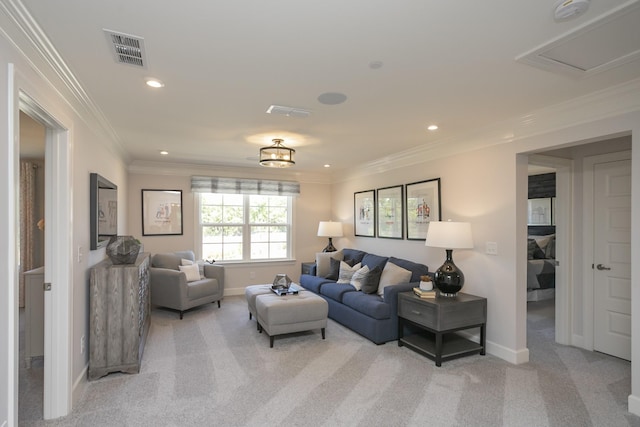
[352,256]
[313,283]
[335,291]
[416,269]
[369,304]
[372,261]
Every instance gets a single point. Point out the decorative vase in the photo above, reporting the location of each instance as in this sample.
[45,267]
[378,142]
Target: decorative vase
[123,249]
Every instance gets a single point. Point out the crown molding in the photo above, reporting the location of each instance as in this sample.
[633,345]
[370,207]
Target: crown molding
[188,169]
[611,102]
[26,35]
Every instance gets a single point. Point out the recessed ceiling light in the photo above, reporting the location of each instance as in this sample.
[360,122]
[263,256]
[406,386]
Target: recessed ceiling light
[332,98]
[327,166]
[155,83]
[432,127]
[164,152]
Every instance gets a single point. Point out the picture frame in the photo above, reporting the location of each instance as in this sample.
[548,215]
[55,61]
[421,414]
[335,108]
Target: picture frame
[161,212]
[364,213]
[422,201]
[390,208]
[539,211]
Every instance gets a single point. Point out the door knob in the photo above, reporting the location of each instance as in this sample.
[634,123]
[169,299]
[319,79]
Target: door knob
[602,267]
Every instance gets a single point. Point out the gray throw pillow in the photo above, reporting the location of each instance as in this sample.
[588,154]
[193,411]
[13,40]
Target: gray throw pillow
[370,284]
[334,269]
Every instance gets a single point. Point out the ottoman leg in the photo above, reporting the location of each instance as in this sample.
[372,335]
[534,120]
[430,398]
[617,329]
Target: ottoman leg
[322,332]
[271,341]
[250,315]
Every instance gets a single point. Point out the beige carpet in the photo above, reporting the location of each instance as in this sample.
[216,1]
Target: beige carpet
[214,369]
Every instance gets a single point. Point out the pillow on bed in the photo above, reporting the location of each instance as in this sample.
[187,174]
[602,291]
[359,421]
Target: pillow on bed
[533,250]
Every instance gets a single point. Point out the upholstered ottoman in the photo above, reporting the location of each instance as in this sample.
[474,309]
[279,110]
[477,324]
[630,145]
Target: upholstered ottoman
[279,315]
[251,292]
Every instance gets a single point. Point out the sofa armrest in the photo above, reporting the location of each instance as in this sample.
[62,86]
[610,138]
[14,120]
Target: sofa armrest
[391,294]
[167,286]
[215,272]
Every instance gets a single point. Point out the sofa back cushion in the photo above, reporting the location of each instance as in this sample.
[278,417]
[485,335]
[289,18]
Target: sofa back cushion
[416,269]
[171,261]
[353,256]
[323,262]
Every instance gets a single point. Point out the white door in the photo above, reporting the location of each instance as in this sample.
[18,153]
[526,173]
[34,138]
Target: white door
[612,258]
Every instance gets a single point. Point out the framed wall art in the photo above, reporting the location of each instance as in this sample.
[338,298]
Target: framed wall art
[423,206]
[364,213]
[539,211]
[389,213]
[161,212]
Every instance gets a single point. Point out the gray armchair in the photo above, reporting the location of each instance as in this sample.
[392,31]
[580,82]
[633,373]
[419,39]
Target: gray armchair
[169,286]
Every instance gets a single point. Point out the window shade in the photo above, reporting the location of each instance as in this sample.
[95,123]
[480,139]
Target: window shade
[209,184]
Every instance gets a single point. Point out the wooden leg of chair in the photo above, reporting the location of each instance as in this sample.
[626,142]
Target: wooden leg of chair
[271,341]
[250,316]
[218,303]
[181,313]
[322,333]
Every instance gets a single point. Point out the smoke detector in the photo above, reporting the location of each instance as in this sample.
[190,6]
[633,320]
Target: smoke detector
[565,10]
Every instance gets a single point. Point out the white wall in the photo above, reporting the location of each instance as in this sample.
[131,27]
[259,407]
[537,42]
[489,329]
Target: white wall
[91,150]
[310,207]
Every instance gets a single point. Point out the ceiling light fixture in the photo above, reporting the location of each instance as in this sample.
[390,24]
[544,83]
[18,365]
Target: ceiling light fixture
[164,152]
[565,10]
[433,127]
[277,155]
[155,83]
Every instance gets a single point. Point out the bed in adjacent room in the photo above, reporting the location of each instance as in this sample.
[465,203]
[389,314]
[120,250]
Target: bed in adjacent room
[541,263]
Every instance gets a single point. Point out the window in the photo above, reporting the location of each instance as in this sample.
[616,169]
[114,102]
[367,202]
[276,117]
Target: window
[245,227]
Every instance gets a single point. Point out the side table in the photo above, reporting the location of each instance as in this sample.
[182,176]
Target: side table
[437,318]
[306,267]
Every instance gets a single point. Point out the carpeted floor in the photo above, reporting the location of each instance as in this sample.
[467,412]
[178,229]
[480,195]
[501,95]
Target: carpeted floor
[214,368]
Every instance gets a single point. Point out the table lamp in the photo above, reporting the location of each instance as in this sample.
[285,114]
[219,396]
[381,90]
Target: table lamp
[329,229]
[449,235]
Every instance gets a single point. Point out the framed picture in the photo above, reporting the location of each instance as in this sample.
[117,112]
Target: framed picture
[539,211]
[161,212]
[423,206]
[390,208]
[364,213]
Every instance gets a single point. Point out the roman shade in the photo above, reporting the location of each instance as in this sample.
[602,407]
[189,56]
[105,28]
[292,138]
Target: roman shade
[210,184]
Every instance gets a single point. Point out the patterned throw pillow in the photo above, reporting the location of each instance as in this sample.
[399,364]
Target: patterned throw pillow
[346,272]
[359,278]
[533,250]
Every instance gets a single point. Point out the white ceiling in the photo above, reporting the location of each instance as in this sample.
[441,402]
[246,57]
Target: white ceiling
[225,62]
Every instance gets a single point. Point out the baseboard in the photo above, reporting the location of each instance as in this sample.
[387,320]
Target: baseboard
[511,356]
[79,386]
[634,404]
[577,341]
[233,292]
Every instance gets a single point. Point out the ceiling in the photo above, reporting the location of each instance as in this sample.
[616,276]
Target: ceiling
[402,66]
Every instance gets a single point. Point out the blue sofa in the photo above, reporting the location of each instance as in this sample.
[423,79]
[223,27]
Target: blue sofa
[370,315]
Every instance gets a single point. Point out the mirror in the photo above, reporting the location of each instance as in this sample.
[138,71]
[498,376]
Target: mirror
[104,210]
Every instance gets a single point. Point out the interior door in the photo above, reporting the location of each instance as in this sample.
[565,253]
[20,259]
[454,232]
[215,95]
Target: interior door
[612,258]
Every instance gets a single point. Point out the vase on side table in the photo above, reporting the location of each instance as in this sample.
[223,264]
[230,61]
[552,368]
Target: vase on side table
[123,249]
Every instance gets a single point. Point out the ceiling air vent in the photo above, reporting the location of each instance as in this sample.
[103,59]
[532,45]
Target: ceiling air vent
[127,49]
[288,111]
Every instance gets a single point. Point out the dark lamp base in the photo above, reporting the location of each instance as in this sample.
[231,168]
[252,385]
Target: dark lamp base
[329,247]
[448,278]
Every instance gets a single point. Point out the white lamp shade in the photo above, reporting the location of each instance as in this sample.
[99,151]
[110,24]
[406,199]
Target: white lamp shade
[449,235]
[329,229]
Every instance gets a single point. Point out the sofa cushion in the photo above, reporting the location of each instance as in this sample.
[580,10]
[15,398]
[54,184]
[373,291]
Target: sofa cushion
[202,288]
[416,269]
[346,272]
[171,261]
[392,275]
[335,291]
[353,255]
[371,281]
[372,261]
[369,304]
[313,283]
[323,262]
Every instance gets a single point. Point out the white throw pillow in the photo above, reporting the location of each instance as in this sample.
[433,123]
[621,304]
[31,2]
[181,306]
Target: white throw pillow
[346,272]
[192,272]
[392,275]
[323,262]
[359,277]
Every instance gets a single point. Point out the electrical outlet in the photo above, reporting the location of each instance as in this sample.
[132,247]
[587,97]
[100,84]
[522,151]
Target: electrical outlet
[492,248]
[80,253]
[82,344]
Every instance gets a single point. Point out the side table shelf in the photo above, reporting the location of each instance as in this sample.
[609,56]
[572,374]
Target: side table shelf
[437,320]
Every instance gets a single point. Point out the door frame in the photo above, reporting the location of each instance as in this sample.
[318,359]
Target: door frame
[588,223]
[58,312]
[564,237]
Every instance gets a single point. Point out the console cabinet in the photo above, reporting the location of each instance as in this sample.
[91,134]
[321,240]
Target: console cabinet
[119,312]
